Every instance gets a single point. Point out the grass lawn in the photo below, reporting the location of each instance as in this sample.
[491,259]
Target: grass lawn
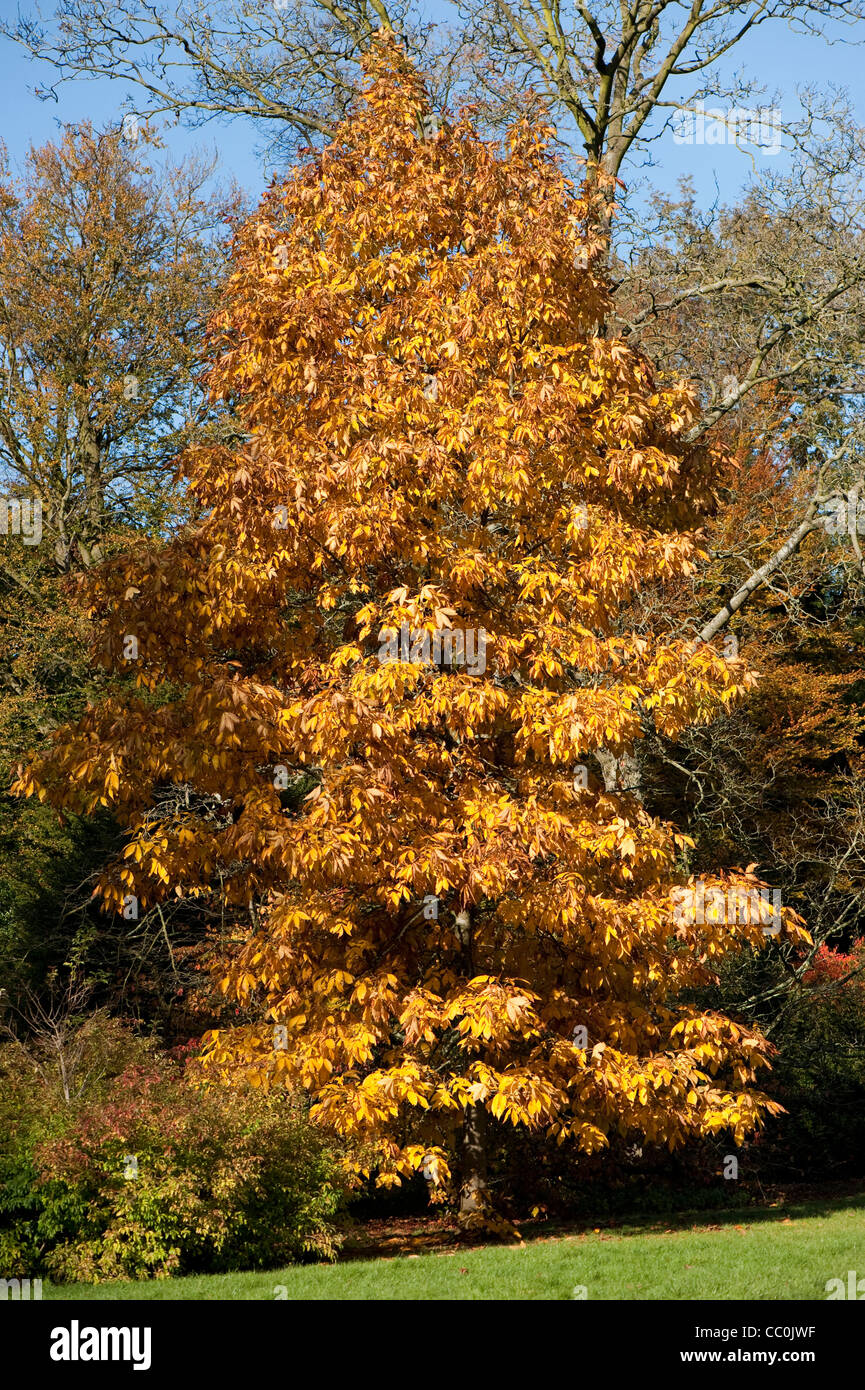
[788,1253]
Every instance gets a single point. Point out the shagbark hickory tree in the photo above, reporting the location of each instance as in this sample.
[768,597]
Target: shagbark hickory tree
[443,921]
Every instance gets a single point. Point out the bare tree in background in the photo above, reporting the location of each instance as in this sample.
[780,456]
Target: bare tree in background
[608,69]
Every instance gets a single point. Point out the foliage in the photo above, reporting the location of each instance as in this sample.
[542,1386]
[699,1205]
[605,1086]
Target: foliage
[819,1073]
[441,438]
[779,781]
[109,266]
[109,270]
[778,778]
[36,1105]
[218,1181]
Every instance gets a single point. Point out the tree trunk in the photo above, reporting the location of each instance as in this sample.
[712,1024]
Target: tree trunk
[473,1165]
[473,1147]
[620,774]
[90,458]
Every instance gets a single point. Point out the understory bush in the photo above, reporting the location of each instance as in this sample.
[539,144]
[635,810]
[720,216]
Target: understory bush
[149,1175]
[818,1074]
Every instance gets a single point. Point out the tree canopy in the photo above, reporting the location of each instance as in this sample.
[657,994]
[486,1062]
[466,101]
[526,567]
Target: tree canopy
[376,675]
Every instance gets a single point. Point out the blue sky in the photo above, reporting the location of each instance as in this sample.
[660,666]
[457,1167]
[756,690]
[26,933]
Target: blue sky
[779,58]
[25,119]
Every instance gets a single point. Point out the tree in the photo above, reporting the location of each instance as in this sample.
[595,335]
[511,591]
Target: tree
[109,268]
[778,778]
[389,649]
[109,272]
[617,77]
[608,70]
[760,306]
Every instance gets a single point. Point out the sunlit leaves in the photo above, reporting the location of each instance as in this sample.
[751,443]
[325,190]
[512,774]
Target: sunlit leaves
[539,487]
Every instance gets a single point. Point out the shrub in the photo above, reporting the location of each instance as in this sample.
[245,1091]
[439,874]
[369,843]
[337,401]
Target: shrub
[42,1083]
[152,1175]
[220,1181]
[818,1072]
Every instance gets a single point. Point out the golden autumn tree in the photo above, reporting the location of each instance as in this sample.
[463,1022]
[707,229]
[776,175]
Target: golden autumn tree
[375,676]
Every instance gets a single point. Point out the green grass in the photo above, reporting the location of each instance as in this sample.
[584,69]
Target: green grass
[773,1255]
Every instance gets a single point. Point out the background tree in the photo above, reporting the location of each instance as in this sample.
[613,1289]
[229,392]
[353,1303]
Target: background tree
[108,275]
[454,927]
[109,268]
[611,73]
[792,752]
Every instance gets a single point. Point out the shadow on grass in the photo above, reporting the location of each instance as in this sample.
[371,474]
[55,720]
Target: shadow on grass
[419,1233]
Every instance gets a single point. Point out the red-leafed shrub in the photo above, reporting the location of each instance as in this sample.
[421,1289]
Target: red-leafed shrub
[154,1176]
[831,966]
